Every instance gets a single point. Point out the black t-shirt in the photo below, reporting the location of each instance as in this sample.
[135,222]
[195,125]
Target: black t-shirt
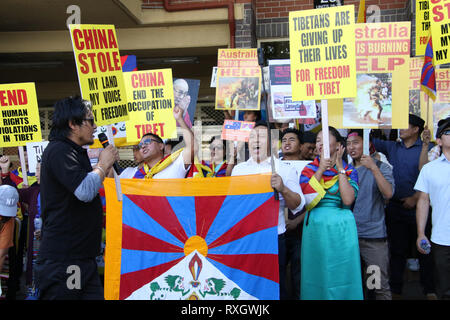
[72,228]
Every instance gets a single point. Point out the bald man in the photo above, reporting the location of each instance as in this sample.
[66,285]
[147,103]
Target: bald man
[182,98]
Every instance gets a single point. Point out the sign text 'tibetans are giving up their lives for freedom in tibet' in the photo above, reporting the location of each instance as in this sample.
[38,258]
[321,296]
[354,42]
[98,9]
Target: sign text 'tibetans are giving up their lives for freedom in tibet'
[322,46]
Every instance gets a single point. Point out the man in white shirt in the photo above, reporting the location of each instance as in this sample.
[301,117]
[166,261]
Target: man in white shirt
[173,166]
[433,184]
[284,181]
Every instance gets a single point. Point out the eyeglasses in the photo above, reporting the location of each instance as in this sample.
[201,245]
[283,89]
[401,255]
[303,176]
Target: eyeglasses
[90,120]
[181,93]
[147,143]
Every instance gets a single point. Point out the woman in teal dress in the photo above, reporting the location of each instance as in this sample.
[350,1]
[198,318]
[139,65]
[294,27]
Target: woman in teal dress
[330,260]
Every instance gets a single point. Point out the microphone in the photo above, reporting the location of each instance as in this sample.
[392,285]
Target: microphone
[104,141]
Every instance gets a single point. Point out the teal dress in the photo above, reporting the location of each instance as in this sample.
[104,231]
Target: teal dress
[330,260]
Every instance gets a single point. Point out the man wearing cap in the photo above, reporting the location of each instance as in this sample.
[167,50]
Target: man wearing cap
[400,212]
[8,210]
[433,186]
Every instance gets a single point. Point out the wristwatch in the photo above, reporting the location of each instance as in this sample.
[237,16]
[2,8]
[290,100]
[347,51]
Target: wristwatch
[342,171]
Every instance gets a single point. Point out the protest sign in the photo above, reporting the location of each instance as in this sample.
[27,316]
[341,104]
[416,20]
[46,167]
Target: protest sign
[415,94]
[440,108]
[422,25]
[283,107]
[150,104]
[99,70]
[34,154]
[322,53]
[185,95]
[383,65]
[327,3]
[238,80]
[236,130]
[440,30]
[19,115]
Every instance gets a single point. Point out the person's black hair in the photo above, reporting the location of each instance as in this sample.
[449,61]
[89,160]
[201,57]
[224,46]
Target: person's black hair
[291,130]
[257,113]
[339,139]
[260,123]
[224,143]
[308,137]
[68,109]
[153,136]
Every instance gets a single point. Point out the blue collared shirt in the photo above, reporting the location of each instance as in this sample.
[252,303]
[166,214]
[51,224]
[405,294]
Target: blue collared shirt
[405,162]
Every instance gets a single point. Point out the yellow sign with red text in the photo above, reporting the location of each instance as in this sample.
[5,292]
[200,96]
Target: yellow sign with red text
[383,72]
[150,104]
[440,30]
[99,70]
[19,115]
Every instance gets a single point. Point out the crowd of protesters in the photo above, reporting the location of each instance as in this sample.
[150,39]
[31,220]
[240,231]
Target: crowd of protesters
[345,224]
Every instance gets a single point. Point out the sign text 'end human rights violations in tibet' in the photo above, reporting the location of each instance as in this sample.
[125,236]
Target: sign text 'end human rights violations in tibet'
[100,71]
[19,115]
[322,46]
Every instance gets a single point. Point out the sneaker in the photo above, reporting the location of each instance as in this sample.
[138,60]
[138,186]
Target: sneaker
[413,264]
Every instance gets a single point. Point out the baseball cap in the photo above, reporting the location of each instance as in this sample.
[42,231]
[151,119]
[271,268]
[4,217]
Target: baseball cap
[8,201]
[442,125]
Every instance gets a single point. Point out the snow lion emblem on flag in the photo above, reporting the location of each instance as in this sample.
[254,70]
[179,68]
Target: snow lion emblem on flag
[192,239]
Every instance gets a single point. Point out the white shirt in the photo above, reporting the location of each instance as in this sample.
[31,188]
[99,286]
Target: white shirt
[128,173]
[175,170]
[434,179]
[287,173]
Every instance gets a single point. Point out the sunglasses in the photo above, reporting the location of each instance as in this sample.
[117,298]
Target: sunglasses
[147,143]
[90,120]
[446,133]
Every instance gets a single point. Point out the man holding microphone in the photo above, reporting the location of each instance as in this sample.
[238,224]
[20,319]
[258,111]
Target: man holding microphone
[71,206]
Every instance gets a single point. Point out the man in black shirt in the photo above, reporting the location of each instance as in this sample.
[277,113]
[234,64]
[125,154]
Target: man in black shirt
[71,206]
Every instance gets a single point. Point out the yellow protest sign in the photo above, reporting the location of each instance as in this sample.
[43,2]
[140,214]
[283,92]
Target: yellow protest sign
[238,80]
[422,25]
[322,49]
[440,30]
[19,115]
[383,70]
[150,104]
[99,70]
[416,105]
[440,108]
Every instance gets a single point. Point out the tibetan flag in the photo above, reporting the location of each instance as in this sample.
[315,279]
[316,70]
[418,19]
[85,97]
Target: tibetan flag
[428,78]
[128,63]
[192,239]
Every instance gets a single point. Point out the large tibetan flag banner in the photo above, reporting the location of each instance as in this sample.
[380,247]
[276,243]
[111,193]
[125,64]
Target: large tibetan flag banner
[192,239]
